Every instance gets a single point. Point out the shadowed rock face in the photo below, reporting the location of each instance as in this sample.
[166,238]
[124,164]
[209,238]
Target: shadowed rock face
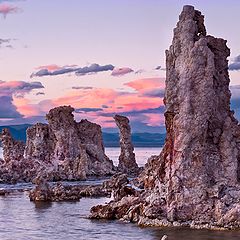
[196,179]
[12,149]
[127,162]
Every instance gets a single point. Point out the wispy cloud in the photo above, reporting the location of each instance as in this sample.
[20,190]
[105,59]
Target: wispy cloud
[40,93]
[81,88]
[82,110]
[6,9]
[121,71]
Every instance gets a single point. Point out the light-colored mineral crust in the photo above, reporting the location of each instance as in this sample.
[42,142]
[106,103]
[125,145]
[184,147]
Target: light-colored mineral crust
[196,179]
[127,162]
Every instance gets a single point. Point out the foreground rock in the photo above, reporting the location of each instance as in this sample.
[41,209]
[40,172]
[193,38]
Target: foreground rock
[66,149]
[118,187]
[44,192]
[127,162]
[196,179]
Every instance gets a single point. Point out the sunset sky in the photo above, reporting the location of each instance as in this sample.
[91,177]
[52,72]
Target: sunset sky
[101,56]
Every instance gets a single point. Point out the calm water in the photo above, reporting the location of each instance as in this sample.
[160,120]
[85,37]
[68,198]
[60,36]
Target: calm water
[21,219]
[142,154]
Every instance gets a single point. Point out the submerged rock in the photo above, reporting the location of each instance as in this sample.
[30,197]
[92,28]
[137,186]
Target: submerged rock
[42,191]
[196,179]
[59,192]
[127,162]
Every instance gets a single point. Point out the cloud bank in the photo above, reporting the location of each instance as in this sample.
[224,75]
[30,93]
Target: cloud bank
[11,90]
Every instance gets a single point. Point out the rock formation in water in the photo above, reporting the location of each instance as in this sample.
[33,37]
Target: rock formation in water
[64,149]
[127,162]
[12,149]
[196,179]
[44,192]
[78,146]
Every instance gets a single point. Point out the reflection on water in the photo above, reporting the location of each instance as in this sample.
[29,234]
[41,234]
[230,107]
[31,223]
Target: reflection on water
[22,219]
[142,154]
[42,206]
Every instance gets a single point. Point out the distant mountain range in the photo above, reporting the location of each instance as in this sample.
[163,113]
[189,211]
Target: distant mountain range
[110,139]
[18,131]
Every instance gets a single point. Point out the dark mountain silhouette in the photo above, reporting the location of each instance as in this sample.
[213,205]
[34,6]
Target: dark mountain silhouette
[142,139]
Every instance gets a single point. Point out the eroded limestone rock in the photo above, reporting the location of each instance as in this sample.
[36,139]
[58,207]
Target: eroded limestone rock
[40,143]
[79,150]
[127,162]
[196,179]
[66,149]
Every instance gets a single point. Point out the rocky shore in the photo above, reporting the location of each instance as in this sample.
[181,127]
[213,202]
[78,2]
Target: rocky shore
[195,181]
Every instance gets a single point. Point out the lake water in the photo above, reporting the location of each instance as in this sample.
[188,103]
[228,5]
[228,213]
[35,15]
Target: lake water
[21,219]
[142,154]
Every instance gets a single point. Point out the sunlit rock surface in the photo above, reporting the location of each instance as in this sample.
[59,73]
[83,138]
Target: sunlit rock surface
[196,179]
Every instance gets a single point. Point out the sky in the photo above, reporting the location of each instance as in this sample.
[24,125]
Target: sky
[103,57]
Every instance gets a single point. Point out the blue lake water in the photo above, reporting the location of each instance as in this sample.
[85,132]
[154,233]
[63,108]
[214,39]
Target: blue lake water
[21,219]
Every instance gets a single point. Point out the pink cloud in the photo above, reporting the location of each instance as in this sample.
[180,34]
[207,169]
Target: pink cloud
[18,87]
[92,98]
[134,102]
[6,9]
[54,67]
[96,98]
[146,83]
[51,67]
[117,72]
[154,119]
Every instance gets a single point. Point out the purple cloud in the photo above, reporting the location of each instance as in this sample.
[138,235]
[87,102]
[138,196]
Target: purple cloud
[8,90]
[93,68]
[235,65]
[117,72]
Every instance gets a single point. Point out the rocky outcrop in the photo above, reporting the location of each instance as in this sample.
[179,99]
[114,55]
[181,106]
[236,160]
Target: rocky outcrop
[78,150]
[127,162]
[44,192]
[64,148]
[13,166]
[40,143]
[196,179]
[12,149]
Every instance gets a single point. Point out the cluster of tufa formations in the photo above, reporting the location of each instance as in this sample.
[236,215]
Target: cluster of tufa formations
[195,181]
[63,149]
